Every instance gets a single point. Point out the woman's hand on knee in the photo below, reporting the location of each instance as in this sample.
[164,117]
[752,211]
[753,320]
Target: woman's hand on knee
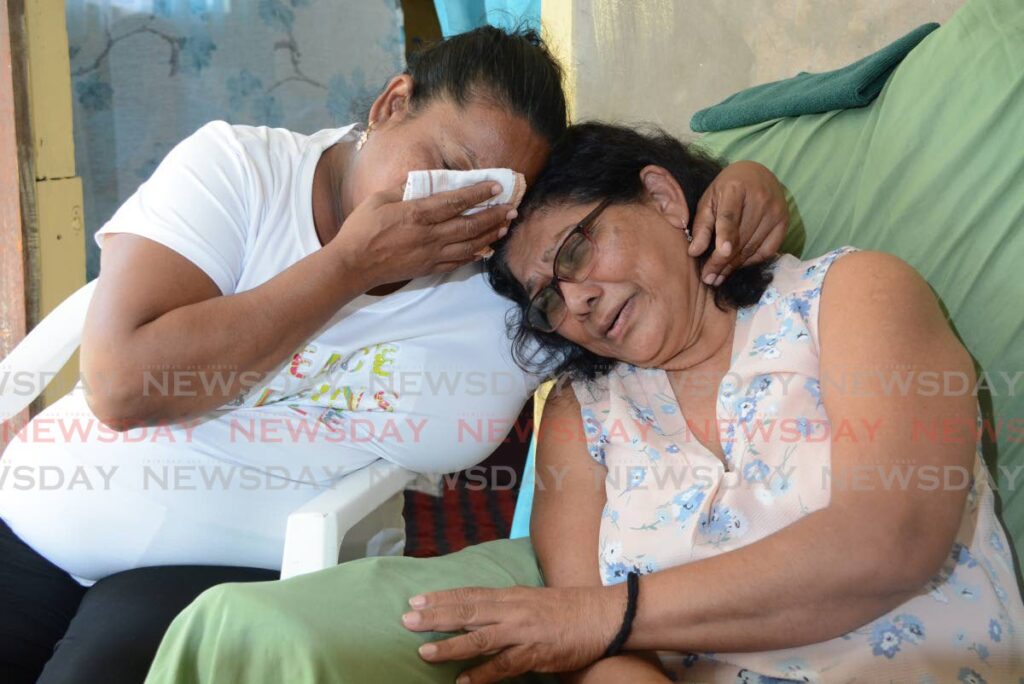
[524,629]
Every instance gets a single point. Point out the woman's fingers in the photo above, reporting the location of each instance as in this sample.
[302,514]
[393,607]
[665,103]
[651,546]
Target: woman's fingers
[471,249]
[507,664]
[455,617]
[771,243]
[444,206]
[702,228]
[728,214]
[485,641]
[466,231]
[448,597]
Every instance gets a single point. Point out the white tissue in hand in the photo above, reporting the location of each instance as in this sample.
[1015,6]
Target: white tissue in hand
[422,184]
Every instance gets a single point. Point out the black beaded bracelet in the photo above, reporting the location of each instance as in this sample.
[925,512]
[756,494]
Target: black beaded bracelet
[632,593]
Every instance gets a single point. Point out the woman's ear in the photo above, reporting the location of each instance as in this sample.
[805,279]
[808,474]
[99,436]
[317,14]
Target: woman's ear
[664,194]
[392,105]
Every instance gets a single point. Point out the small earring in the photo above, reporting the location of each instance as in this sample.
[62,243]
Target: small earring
[364,136]
[689,233]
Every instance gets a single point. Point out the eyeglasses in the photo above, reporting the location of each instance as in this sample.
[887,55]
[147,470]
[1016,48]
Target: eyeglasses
[574,261]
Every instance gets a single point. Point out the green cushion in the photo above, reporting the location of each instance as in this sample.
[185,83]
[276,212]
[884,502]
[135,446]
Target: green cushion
[932,171]
[340,625]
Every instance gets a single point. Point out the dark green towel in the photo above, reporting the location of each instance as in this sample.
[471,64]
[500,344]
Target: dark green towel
[852,86]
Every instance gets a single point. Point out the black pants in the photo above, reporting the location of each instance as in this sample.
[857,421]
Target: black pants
[54,631]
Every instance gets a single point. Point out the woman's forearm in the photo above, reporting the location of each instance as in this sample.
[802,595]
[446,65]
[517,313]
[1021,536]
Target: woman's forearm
[198,357]
[804,584]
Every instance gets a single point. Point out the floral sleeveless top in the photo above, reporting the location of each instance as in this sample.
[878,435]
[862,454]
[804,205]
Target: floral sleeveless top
[671,501]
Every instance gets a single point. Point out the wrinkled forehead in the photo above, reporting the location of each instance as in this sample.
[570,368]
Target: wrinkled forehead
[532,247]
[491,136]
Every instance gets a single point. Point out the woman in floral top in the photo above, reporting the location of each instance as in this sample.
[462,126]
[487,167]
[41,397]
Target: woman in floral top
[797,508]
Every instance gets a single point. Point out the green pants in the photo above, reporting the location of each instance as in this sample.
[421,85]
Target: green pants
[338,625]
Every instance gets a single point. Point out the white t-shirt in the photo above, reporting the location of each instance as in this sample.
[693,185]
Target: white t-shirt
[429,366]
[422,377]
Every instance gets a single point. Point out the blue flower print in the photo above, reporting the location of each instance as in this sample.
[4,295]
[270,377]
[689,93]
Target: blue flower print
[756,471]
[816,271]
[640,413]
[964,590]
[995,630]
[811,271]
[795,667]
[635,477]
[745,408]
[596,434]
[672,449]
[728,441]
[912,630]
[267,110]
[668,409]
[813,387]
[615,573]
[611,514]
[94,94]
[686,503]
[197,52]
[885,639]
[662,517]
[766,346]
[647,566]
[652,453]
[716,522]
[800,306]
[781,483]
[996,542]
[969,676]
[963,556]
[591,426]
[275,11]
[759,386]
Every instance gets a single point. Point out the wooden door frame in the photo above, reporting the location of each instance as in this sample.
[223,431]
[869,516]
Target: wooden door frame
[18,305]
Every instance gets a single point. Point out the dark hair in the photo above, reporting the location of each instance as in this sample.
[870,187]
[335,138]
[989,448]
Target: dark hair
[514,68]
[593,162]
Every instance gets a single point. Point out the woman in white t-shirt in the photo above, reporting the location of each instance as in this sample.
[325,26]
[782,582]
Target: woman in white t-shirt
[270,316]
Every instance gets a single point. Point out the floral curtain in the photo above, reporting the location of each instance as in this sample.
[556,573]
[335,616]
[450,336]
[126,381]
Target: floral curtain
[147,73]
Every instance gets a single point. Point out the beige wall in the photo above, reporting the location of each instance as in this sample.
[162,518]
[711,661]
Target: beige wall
[662,60]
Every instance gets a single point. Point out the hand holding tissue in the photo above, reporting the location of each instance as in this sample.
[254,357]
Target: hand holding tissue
[420,184]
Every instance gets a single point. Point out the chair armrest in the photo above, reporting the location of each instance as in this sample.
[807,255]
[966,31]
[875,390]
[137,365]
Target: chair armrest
[315,531]
[34,362]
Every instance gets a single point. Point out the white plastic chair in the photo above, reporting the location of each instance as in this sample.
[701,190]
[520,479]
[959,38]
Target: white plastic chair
[314,532]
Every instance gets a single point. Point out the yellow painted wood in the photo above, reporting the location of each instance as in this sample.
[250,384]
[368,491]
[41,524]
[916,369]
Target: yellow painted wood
[58,220]
[556,27]
[49,73]
[61,258]
[539,397]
